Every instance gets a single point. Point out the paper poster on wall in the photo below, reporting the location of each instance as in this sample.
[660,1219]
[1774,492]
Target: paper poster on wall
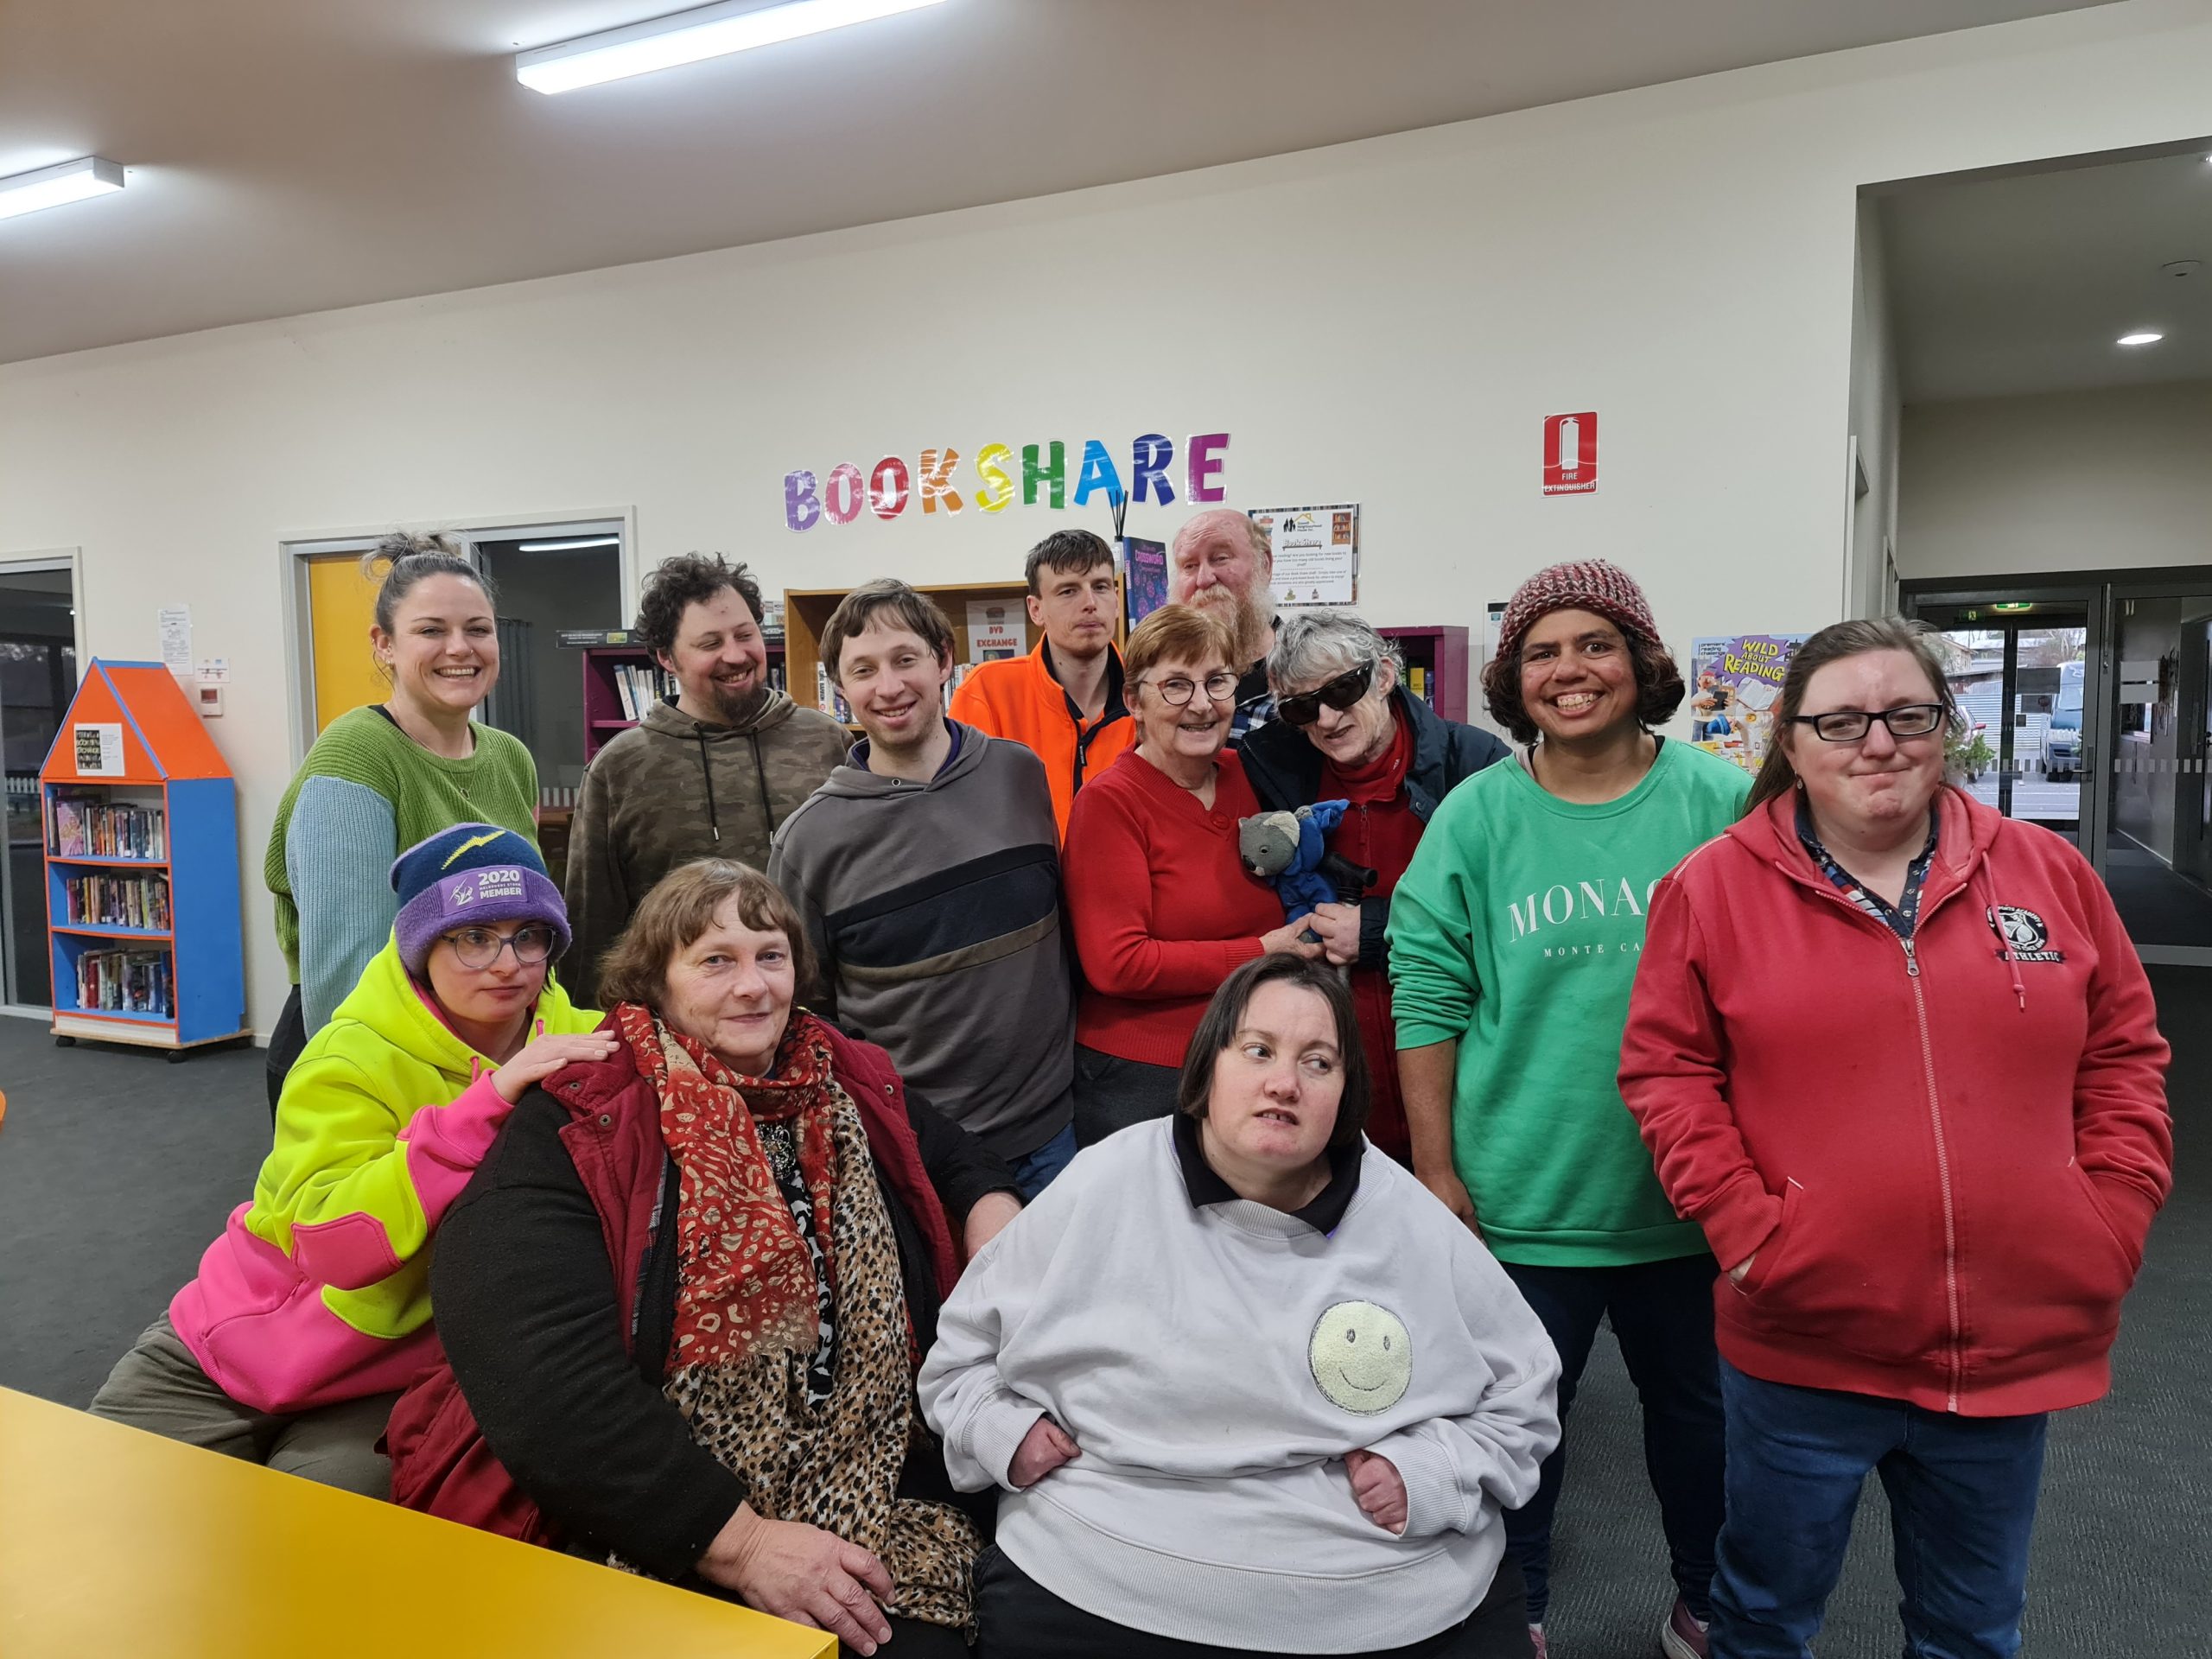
[175,623]
[100,750]
[994,630]
[1144,576]
[1316,552]
[1735,682]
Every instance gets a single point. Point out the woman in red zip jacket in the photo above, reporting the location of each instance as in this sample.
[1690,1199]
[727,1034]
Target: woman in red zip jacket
[1897,1056]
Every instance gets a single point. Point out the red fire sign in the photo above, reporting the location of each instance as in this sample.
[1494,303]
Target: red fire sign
[1570,454]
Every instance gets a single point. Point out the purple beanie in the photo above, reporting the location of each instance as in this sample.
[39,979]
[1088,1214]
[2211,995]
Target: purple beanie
[465,876]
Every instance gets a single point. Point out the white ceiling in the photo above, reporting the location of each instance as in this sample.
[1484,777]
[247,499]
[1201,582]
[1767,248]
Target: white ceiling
[287,155]
[2004,286]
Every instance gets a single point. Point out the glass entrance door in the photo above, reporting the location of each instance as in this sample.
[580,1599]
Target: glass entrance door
[38,673]
[2157,786]
[2019,669]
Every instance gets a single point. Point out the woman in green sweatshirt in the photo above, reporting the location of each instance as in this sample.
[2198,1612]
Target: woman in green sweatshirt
[1514,938]
[386,776]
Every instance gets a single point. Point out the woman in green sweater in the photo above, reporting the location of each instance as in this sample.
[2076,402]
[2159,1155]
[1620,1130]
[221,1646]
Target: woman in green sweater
[1514,937]
[387,776]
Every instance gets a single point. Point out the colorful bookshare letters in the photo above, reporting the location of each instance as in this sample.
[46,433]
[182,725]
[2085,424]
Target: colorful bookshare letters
[1039,474]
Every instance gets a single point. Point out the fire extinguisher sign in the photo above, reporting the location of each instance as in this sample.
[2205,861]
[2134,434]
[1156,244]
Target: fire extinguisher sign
[1570,454]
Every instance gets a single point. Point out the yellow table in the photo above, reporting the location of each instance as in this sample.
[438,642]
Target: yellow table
[117,1544]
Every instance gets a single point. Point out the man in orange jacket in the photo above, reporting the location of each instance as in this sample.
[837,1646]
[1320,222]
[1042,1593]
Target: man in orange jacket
[1063,700]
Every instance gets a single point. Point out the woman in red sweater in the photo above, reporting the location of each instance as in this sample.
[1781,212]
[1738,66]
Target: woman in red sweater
[1897,1058]
[1161,907]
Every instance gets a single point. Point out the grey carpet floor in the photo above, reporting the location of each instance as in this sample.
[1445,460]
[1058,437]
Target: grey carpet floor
[116,1169]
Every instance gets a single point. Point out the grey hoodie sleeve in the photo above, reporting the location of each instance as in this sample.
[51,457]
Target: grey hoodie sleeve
[597,896]
[1451,1464]
[788,873]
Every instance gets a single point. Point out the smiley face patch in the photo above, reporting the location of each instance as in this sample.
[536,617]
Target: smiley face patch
[1361,1357]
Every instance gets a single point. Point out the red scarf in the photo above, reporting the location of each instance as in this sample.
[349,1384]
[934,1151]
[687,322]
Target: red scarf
[744,1276]
[1377,780]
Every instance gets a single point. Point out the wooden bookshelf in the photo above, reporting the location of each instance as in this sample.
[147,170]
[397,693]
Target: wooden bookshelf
[807,612]
[605,714]
[1441,655]
[183,985]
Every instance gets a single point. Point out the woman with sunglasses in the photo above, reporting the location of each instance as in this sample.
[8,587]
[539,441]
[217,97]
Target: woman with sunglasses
[1347,729]
[1160,906]
[1896,1056]
[312,1310]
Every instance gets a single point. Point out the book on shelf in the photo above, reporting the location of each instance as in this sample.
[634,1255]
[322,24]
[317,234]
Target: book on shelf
[828,698]
[1417,681]
[124,982]
[91,826]
[139,901]
[640,687]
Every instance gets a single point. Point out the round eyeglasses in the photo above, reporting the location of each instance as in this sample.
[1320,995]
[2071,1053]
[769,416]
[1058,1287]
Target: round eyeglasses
[479,947]
[1849,725]
[1303,708]
[1177,691]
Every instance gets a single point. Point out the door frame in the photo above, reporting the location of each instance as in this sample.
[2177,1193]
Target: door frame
[295,547]
[2102,591]
[71,560]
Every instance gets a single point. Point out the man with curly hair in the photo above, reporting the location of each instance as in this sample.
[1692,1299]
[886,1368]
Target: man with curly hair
[709,772]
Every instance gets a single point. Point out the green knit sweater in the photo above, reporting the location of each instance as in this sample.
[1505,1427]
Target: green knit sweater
[367,793]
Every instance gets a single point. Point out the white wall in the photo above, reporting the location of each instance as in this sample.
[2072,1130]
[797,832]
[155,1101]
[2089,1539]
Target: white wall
[2075,480]
[1386,321]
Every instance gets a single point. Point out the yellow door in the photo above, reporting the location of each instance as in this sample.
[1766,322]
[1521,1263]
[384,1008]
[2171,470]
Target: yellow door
[341,605]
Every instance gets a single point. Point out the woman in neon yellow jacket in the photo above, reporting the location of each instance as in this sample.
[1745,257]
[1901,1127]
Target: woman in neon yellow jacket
[312,1310]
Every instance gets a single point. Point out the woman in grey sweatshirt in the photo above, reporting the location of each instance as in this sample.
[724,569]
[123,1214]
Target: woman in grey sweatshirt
[1246,1383]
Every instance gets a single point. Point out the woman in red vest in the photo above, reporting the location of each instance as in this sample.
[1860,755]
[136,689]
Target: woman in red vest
[726,1396]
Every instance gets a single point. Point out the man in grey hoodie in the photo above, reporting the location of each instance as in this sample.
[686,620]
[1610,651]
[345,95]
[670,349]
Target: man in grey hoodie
[927,871]
[710,772]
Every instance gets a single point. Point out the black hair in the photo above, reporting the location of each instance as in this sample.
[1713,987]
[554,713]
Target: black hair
[680,582]
[1658,686]
[1217,1030]
[1069,552]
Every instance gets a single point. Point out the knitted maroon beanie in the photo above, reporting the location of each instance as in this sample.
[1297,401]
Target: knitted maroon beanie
[1579,585]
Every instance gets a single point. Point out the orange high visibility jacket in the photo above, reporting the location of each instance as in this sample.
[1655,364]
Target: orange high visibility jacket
[1019,699]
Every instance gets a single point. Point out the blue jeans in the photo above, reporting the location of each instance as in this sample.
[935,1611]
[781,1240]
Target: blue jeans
[1962,1501]
[1661,1314]
[1033,1170]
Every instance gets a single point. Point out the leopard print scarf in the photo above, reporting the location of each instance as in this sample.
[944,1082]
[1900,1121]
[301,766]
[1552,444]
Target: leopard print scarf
[748,1325]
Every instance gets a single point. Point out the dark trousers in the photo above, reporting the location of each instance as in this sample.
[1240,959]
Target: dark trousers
[1021,1619]
[1112,1093]
[1661,1315]
[285,1043]
[1962,1503]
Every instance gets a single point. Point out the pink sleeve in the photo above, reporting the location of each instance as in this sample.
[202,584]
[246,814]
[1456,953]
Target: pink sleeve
[441,1145]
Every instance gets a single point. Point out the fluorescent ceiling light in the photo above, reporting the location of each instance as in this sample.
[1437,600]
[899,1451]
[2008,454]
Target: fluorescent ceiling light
[2145,337]
[50,187]
[709,32]
[564,546]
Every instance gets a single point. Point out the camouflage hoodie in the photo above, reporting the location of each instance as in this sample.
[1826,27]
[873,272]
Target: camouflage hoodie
[674,790]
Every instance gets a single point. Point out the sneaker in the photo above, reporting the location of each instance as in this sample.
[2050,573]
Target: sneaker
[1683,1636]
[1536,1641]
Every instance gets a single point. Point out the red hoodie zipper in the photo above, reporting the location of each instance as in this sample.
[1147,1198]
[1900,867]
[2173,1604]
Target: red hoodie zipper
[1955,1361]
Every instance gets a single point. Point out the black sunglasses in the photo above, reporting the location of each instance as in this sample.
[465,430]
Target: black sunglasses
[1303,708]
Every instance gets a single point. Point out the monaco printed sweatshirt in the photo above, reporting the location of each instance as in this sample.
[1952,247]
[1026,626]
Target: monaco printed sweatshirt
[1516,932]
[318,1290]
[1215,1359]
[935,910]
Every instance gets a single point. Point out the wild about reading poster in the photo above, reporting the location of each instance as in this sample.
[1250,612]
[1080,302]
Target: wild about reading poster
[1736,685]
